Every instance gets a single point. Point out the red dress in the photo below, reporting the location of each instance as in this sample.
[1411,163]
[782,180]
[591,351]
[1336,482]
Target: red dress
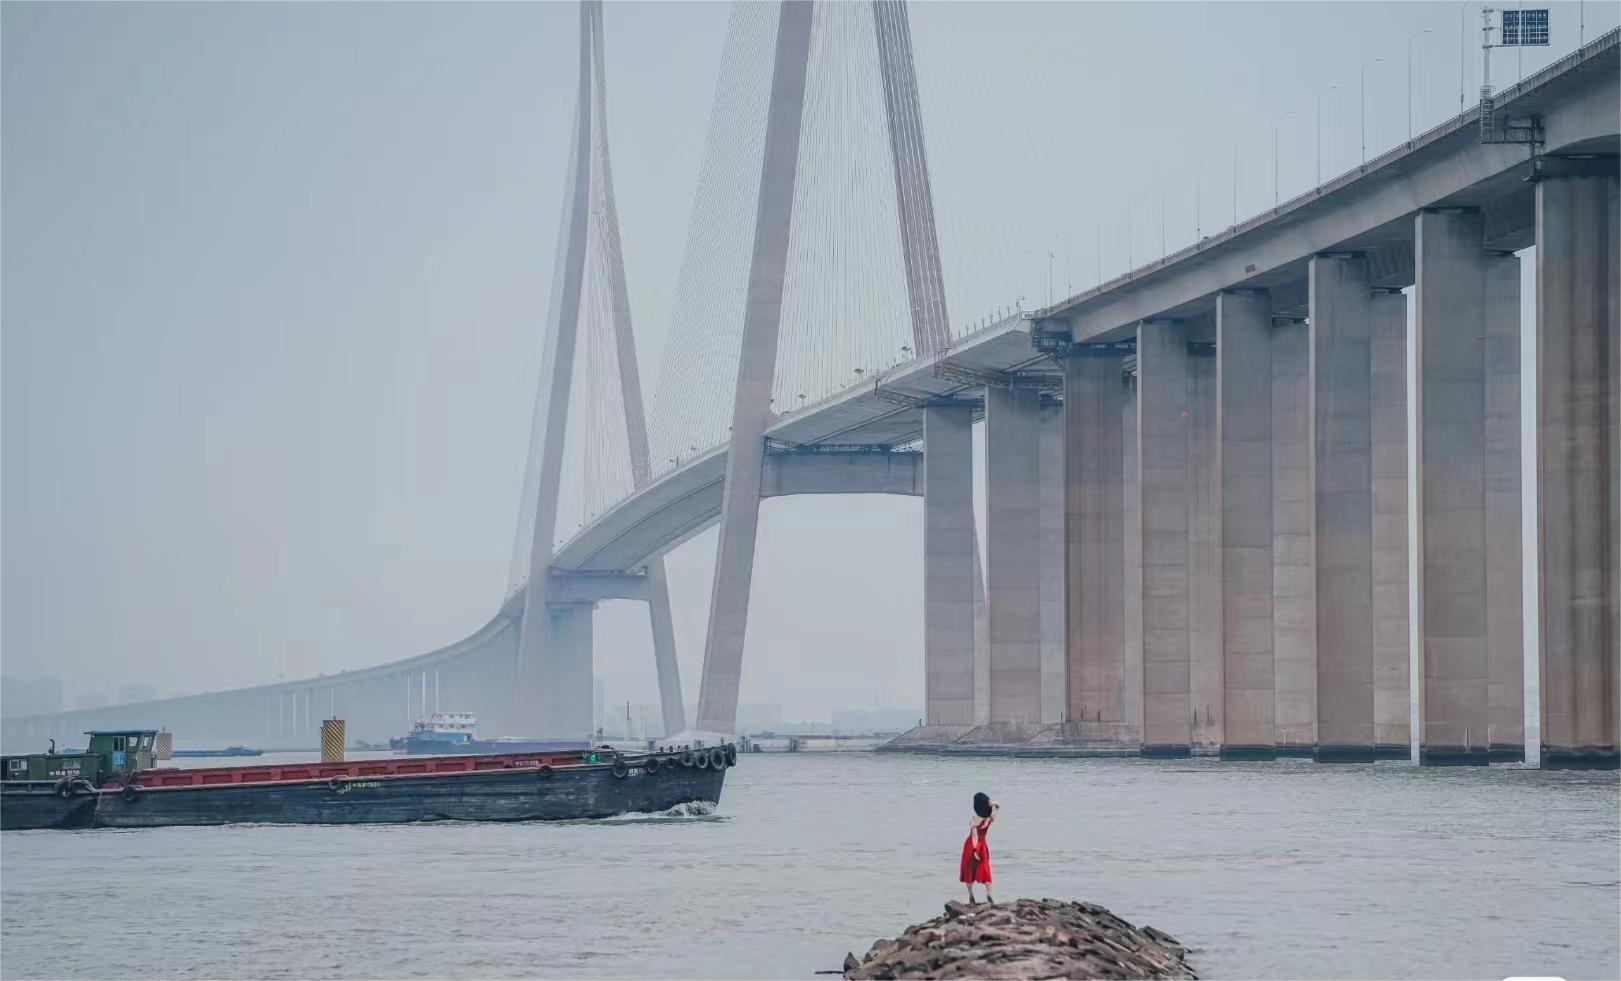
[975,847]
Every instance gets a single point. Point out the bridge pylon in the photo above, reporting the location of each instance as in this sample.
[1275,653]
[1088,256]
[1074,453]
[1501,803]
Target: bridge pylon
[552,696]
[751,410]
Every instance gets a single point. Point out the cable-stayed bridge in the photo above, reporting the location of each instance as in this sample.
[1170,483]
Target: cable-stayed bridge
[1197,473]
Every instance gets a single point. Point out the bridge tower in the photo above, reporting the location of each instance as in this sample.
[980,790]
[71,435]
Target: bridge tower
[950,514]
[553,693]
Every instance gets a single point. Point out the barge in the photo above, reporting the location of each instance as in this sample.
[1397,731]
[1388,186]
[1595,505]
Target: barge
[457,732]
[229,751]
[94,791]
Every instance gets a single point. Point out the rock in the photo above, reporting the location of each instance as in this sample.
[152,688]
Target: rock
[1028,938]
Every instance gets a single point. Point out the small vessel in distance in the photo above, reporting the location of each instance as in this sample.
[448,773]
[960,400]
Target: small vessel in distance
[114,784]
[227,751]
[457,732]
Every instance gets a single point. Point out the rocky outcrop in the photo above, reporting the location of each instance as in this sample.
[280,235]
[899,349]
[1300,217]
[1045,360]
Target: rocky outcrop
[1029,938]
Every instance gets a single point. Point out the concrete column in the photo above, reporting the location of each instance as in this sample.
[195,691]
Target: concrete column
[1392,643]
[948,565]
[1131,657]
[982,642]
[1341,324]
[1505,580]
[1162,490]
[1578,480]
[1294,604]
[673,708]
[751,407]
[569,639]
[1244,422]
[1094,540]
[1450,302]
[1013,554]
[1204,552]
[1050,469]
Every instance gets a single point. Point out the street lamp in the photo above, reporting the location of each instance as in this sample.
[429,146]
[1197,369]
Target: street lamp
[1364,109]
[1277,118]
[1410,39]
[1331,88]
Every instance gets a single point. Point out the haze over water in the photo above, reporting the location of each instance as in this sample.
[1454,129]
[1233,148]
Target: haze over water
[1285,869]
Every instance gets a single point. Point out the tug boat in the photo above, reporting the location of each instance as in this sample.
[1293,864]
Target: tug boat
[108,787]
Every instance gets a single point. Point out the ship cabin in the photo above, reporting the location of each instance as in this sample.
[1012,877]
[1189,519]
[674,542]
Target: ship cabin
[110,753]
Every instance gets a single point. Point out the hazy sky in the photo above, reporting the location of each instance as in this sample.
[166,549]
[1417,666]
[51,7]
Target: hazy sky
[275,277]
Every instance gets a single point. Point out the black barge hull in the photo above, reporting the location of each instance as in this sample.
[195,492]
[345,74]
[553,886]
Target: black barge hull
[499,795]
[651,784]
[34,808]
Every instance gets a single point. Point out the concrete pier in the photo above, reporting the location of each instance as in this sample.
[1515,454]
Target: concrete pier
[568,684]
[1294,608]
[1132,532]
[1343,310]
[1244,422]
[1392,642]
[1450,305]
[1505,589]
[1205,693]
[1579,512]
[982,640]
[1162,491]
[1094,538]
[948,565]
[1013,554]
[1050,470]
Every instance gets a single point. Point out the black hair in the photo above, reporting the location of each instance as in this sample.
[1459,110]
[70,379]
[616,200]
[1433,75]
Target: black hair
[982,804]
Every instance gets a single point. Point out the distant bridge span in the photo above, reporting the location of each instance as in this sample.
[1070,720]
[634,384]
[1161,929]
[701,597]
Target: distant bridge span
[1235,397]
[853,443]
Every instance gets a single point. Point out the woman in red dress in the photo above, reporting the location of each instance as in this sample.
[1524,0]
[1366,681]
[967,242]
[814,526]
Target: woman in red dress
[976,854]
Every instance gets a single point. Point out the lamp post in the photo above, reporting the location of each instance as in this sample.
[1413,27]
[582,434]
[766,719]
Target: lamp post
[1331,88]
[1277,119]
[1410,39]
[1364,109]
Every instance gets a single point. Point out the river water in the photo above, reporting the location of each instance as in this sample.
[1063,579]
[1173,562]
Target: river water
[1285,869]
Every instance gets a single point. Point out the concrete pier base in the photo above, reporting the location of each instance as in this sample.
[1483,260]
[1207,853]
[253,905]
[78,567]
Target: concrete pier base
[1450,301]
[1162,490]
[948,566]
[1244,354]
[1579,468]
[566,698]
[1013,555]
[1094,538]
[1343,311]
